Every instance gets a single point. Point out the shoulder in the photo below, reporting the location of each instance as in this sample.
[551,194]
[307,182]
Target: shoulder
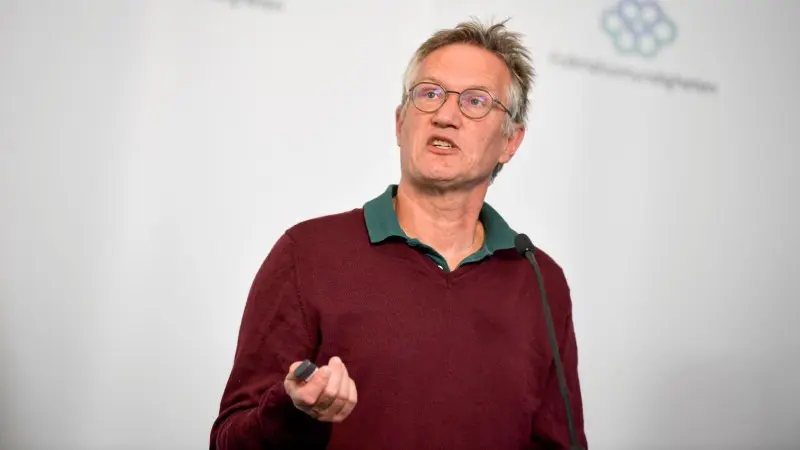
[555,280]
[548,263]
[333,230]
[316,241]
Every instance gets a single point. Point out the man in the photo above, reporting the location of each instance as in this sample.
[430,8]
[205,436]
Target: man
[426,324]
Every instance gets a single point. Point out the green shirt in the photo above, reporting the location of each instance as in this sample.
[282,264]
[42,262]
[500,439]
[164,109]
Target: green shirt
[382,224]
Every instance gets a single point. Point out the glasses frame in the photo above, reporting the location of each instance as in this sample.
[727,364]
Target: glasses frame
[495,102]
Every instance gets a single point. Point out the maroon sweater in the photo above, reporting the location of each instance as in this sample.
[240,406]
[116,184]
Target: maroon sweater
[441,360]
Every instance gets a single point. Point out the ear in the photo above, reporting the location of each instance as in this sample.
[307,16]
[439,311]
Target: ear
[513,144]
[398,123]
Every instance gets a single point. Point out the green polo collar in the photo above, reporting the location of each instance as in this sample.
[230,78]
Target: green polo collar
[382,224]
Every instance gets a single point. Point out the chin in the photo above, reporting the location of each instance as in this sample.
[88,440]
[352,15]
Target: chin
[446,179]
[439,174]
[438,180]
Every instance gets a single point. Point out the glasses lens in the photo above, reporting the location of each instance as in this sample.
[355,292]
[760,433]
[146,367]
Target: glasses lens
[427,96]
[476,103]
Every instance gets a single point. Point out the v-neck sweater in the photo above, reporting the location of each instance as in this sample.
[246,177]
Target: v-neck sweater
[440,359]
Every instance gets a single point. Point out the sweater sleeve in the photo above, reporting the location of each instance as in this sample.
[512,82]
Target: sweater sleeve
[550,429]
[276,329]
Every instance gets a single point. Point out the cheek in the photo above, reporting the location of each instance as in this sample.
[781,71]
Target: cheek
[488,146]
[410,130]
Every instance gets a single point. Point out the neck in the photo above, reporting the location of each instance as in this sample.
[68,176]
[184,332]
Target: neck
[446,220]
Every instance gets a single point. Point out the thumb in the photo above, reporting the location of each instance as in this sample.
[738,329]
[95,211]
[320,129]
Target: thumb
[292,370]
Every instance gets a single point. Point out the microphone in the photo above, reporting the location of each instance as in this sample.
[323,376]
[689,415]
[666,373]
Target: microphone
[525,248]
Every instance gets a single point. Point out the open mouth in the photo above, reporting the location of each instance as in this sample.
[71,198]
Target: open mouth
[441,143]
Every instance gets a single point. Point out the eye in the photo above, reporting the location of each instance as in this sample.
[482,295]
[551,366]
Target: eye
[428,92]
[475,99]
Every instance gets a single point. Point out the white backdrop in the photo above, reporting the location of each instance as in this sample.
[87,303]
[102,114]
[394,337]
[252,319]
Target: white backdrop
[152,151]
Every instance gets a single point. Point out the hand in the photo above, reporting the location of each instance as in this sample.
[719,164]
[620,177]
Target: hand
[329,396]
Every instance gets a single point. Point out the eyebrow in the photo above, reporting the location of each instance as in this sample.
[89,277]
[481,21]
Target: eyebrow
[478,86]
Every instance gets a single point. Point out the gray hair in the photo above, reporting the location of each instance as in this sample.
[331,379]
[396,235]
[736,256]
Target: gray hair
[497,39]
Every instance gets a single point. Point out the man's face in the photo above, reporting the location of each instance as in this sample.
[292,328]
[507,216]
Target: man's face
[476,146]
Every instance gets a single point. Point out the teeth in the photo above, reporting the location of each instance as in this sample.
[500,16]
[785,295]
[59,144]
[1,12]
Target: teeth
[442,144]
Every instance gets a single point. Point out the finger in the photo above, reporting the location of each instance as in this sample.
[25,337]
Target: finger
[307,393]
[352,400]
[342,396]
[331,390]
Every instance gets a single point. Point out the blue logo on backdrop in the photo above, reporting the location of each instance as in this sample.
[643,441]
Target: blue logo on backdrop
[639,27]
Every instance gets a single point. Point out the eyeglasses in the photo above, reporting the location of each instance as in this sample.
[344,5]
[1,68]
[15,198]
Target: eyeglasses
[473,103]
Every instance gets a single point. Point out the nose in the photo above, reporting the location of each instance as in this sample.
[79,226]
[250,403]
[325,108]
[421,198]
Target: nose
[449,115]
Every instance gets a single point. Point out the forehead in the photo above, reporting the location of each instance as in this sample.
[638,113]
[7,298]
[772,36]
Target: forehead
[461,66]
